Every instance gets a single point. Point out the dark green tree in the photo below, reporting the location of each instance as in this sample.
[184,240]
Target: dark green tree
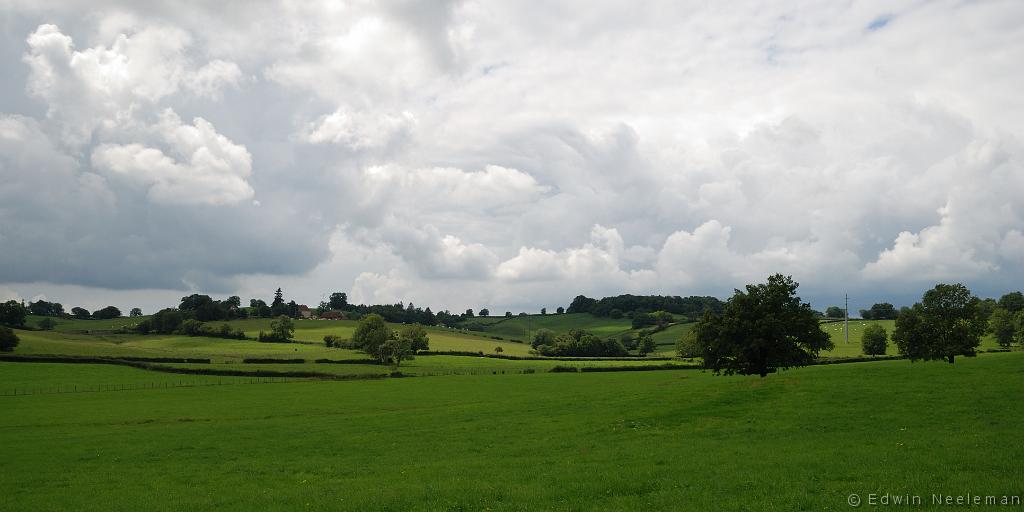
[542,337]
[874,341]
[338,300]
[485,312]
[1001,324]
[44,308]
[883,311]
[560,310]
[946,323]
[8,340]
[582,304]
[646,345]
[278,307]
[12,313]
[107,313]
[80,313]
[760,330]
[135,312]
[1012,302]
[835,312]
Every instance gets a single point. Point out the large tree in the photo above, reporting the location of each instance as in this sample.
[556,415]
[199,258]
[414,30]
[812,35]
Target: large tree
[835,312]
[12,313]
[1012,302]
[371,334]
[874,341]
[283,328]
[760,330]
[946,323]
[338,300]
[107,313]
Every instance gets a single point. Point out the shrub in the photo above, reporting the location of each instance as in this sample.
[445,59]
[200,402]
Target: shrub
[499,349]
[283,328]
[47,324]
[563,369]
[687,346]
[330,340]
[8,340]
[874,340]
[191,327]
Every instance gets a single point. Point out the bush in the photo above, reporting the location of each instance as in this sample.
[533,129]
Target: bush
[874,340]
[499,350]
[191,327]
[47,324]
[687,346]
[330,340]
[283,328]
[563,369]
[8,340]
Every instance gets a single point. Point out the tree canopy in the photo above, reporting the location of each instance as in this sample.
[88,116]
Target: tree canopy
[8,340]
[946,323]
[12,313]
[371,334]
[760,330]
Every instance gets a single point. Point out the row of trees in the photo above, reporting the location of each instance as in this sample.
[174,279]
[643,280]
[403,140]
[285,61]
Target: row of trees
[767,327]
[624,305]
[576,343]
[1006,320]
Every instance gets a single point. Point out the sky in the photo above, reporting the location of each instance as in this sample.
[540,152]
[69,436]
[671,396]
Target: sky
[508,155]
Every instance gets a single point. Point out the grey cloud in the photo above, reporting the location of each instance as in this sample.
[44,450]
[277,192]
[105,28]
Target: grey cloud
[717,142]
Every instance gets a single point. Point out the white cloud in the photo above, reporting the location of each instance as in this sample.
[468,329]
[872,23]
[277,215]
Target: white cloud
[111,87]
[211,79]
[206,167]
[360,130]
[472,147]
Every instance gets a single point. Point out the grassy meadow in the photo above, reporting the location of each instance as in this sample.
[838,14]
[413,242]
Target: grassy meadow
[671,440]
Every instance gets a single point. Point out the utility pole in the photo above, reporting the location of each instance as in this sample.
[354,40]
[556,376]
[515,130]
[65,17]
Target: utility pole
[846,320]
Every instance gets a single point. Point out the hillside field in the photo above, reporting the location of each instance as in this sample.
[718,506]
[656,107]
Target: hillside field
[803,439]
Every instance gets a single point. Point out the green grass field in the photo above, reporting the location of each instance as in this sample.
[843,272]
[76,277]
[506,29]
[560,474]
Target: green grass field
[523,327]
[672,440]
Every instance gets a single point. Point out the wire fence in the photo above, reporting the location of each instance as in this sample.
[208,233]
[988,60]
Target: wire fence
[138,386]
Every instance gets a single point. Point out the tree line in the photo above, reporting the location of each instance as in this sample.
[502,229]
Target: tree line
[629,305]
[767,327]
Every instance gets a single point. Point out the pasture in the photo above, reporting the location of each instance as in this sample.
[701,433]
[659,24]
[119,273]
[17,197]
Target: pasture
[671,440]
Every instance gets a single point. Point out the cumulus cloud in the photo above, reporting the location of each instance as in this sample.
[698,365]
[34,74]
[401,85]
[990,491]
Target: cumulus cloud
[106,86]
[206,167]
[360,130]
[465,151]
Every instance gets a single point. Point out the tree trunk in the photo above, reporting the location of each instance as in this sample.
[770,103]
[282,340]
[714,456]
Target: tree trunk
[950,358]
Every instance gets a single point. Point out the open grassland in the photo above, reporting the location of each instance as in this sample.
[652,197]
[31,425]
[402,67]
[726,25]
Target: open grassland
[157,345]
[45,377]
[74,324]
[523,327]
[673,440]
